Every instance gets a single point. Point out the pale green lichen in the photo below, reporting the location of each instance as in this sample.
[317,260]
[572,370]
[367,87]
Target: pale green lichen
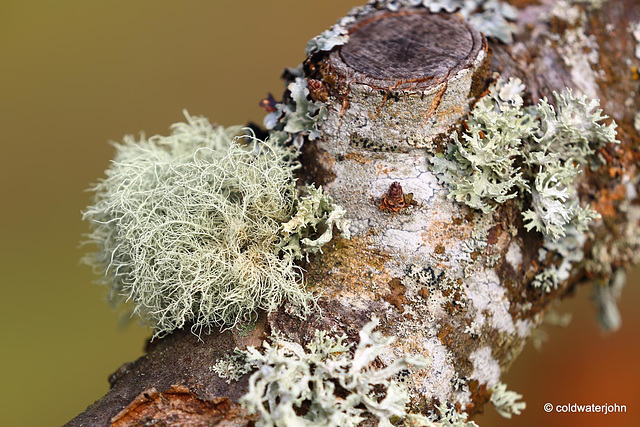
[448,417]
[491,17]
[568,136]
[327,384]
[508,151]
[484,166]
[297,116]
[574,131]
[189,227]
[314,211]
[555,201]
[565,252]
[335,36]
[232,366]
[505,401]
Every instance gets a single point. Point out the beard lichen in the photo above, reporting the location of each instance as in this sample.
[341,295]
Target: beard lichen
[190,227]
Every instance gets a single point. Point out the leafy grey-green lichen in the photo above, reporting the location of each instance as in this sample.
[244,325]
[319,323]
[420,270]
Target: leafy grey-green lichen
[574,131]
[297,115]
[565,252]
[484,160]
[508,151]
[491,17]
[335,36]
[448,417]
[568,136]
[328,383]
[555,201]
[189,227]
[505,401]
[314,211]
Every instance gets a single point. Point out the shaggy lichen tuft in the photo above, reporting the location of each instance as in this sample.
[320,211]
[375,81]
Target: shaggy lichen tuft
[189,227]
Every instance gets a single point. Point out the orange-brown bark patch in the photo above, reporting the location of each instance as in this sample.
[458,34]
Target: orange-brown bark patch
[180,406]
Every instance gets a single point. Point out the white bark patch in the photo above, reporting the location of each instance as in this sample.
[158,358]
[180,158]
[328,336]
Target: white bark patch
[635,30]
[578,50]
[486,293]
[514,255]
[421,186]
[405,241]
[485,368]
[630,187]
[441,372]
[523,327]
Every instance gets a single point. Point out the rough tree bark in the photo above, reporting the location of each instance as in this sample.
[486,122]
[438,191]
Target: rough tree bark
[391,97]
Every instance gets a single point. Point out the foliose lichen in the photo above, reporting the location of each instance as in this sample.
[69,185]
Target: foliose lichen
[493,18]
[190,227]
[481,166]
[328,383]
[506,402]
[314,211]
[508,151]
[296,116]
[448,417]
[564,253]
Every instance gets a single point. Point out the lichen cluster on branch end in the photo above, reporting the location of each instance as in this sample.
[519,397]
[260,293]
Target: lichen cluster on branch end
[203,227]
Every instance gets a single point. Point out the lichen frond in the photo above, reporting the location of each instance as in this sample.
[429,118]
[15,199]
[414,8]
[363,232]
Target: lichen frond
[507,151]
[486,152]
[297,115]
[506,401]
[328,383]
[491,17]
[564,252]
[189,227]
[448,417]
[314,211]
[555,202]
[575,131]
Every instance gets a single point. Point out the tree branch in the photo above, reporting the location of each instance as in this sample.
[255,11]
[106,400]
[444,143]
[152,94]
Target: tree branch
[448,281]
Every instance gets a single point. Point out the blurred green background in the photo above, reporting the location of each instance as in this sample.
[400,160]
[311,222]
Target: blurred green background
[76,74]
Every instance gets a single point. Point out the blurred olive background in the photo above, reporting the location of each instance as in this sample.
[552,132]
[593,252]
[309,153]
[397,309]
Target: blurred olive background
[77,74]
